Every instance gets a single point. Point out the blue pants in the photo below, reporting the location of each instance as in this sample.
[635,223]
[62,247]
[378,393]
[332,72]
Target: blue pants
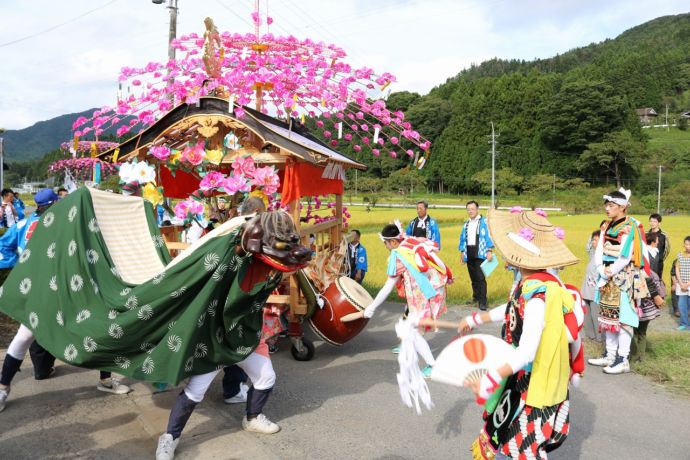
[683,301]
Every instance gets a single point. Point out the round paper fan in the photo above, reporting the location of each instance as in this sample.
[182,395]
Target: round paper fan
[469,358]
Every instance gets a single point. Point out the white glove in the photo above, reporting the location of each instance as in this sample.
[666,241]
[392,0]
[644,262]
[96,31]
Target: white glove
[473,320]
[380,297]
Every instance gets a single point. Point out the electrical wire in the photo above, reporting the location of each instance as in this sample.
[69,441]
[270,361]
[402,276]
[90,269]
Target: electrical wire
[57,26]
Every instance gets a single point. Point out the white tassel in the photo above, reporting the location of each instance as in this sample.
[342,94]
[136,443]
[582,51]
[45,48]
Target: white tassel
[231,104]
[376,135]
[413,387]
[340,130]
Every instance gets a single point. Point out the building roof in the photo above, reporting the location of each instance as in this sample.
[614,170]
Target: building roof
[646,112]
[302,145]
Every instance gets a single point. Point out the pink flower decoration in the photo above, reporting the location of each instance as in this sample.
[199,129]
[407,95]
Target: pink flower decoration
[540,212]
[256,18]
[194,155]
[516,210]
[212,180]
[236,183]
[162,152]
[559,232]
[244,166]
[526,233]
[319,124]
[327,134]
[269,20]
[357,148]
[188,208]
[267,178]
[394,140]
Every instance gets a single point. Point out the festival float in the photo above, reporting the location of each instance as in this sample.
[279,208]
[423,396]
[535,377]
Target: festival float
[229,119]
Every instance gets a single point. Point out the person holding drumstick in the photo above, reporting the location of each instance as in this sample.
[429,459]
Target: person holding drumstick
[420,277]
[526,399]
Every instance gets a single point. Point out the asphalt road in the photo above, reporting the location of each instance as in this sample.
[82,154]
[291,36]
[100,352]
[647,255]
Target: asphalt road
[344,404]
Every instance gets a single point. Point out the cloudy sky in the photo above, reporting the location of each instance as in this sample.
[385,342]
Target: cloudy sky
[61,57]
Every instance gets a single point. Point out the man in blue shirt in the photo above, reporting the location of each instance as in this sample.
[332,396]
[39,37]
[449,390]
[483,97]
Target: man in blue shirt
[423,226]
[357,255]
[476,246]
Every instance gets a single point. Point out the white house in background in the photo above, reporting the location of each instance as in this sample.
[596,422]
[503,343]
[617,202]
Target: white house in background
[647,115]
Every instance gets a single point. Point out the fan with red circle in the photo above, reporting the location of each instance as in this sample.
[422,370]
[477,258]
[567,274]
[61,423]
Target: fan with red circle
[468,358]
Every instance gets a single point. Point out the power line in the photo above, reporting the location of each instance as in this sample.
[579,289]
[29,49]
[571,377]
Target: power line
[57,26]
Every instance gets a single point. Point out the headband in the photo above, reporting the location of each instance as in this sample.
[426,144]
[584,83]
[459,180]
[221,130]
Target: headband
[620,201]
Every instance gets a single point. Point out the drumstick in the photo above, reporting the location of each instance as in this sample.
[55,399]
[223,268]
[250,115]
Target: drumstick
[351,317]
[436,324]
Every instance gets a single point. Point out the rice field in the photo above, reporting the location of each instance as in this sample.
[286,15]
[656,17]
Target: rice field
[577,230]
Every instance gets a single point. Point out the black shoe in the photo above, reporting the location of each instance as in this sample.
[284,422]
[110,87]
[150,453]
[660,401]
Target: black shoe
[45,376]
[272,348]
[482,307]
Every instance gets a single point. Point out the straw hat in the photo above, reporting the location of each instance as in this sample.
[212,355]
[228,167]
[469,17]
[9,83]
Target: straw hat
[527,240]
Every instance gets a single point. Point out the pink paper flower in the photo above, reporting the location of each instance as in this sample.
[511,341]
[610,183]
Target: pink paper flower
[236,183]
[194,154]
[212,180]
[162,152]
[526,233]
[267,178]
[559,232]
[244,166]
[540,212]
[188,208]
[516,210]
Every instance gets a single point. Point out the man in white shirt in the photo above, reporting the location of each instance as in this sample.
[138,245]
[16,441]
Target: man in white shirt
[475,247]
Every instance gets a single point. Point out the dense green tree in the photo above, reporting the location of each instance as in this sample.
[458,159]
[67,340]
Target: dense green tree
[619,154]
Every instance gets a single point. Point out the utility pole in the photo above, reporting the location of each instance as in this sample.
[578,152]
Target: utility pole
[658,193]
[172,31]
[493,166]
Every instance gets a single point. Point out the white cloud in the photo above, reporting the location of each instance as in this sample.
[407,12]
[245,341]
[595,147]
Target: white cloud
[422,42]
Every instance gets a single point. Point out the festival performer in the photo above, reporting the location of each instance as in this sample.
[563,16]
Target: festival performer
[420,277]
[257,367]
[526,399]
[620,261]
[475,246]
[12,245]
[423,226]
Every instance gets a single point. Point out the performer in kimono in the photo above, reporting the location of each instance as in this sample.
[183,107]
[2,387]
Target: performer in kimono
[526,399]
[620,261]
[420,276]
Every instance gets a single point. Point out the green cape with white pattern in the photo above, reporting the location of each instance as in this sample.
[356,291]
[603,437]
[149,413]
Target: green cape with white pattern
[189,318]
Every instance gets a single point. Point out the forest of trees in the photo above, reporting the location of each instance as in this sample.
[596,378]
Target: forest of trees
[572,116]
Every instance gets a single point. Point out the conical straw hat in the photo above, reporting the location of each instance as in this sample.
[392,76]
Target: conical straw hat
[528,240]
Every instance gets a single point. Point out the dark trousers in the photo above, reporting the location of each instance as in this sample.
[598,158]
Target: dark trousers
[42,360]
[232,377]
[478,281]
[639,343]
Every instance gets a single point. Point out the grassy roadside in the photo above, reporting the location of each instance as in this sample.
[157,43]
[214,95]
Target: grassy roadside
[668,361]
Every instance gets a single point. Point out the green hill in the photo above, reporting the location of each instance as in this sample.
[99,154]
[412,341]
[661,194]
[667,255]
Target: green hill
[572,115]
[35,141]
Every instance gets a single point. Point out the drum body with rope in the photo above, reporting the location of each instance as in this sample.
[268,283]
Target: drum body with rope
[342,297]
